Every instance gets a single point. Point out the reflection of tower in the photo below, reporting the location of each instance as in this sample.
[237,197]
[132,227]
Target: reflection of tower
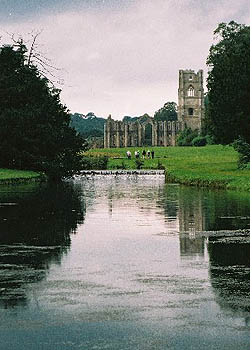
[191,98]
[191,221]
[191,245]
[191,212]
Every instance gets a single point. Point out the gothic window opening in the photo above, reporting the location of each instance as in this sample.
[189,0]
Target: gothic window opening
[190,91]
[148,135]
[190,111]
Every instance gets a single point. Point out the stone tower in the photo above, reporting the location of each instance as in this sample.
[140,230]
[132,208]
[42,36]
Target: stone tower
[191,98]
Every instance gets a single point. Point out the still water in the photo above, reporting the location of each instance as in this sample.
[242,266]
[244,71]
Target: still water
[123,263]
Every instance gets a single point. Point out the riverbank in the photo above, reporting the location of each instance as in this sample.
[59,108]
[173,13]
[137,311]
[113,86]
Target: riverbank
[212,166]
[12,176]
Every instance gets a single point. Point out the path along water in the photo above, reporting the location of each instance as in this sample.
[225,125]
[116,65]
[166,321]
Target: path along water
[123,262]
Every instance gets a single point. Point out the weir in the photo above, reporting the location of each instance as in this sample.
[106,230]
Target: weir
[123,172]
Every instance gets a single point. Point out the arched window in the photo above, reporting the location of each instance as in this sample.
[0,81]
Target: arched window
[190,91]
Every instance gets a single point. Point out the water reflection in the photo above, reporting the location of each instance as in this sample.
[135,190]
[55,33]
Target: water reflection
[198,216]
[229,273]
[35,226]
[149,257]
[203,210]
[205,214]
[207,210]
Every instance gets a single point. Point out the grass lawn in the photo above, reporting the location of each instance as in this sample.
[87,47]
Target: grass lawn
[213,166]
[12,175]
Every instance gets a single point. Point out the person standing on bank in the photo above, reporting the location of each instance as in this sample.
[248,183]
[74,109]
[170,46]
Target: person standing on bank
[144,153]
[136,154]
[148,154]
[152,154]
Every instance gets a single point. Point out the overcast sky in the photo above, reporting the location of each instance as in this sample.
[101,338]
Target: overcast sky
[121,57]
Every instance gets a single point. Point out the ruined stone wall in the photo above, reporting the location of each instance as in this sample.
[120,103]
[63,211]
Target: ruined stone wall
[120,134]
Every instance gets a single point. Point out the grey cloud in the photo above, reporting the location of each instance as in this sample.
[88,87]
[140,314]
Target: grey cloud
[125,59]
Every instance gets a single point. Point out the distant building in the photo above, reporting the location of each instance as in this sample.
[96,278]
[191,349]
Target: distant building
[191,98]
[163,133]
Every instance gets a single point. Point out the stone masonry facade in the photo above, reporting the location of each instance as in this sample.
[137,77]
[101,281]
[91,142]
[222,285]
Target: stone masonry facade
[191,98]
[163,133]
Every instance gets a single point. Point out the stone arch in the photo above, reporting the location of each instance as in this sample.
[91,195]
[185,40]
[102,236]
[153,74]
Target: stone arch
[148,131]
[148,137]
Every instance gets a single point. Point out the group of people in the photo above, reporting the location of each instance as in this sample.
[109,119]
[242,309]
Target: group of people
[149,154]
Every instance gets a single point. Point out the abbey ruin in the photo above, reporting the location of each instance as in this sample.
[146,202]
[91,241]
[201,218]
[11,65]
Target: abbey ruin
[147,131]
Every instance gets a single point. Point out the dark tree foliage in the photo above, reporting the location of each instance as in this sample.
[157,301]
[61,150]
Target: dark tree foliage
[143,118]
[243,149]
[186,137]
[167,112]
[34,125]
[228,83]
[88,125]
[128,119]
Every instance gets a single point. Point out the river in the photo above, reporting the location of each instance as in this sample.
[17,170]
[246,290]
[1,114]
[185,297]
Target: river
[123,262]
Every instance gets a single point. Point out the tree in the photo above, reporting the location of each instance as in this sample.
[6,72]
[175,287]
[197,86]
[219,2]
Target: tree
[228,83]
[128,119]
[167,112]
[34,125]
[88,125]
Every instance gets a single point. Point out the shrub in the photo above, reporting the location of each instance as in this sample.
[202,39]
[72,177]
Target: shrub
[121,166]
[94,163]
[243,148]
[139,163]
[186,136]
[160,166]
[199,141]
[210,139]
[100,154]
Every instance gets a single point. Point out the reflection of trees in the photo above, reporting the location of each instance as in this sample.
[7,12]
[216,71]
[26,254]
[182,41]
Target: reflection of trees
[207,210]
[169,201]
[35,227]
[229,273]
[226,210]
[201,209]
